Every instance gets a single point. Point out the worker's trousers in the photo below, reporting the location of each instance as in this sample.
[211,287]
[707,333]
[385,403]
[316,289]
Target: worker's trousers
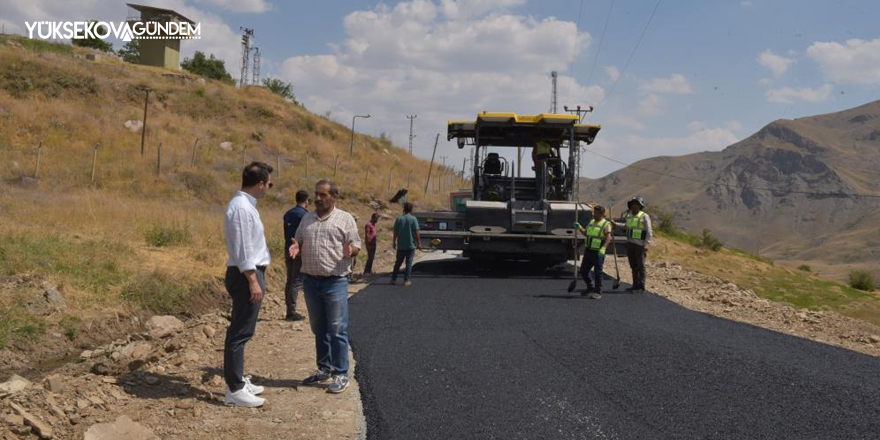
[636,255]
[593,260]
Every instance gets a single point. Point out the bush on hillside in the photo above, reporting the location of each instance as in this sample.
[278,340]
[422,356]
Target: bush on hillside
[160,236]
[710,241]
[663,221]
[804,268]
[157,292]
[862,280]
[130,52]
[280,88]
[209,67]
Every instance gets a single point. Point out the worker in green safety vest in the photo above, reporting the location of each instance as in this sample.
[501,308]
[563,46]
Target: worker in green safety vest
[639,235]
[598,234]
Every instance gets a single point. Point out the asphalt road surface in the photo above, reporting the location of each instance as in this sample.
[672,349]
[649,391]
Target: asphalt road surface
[473,354]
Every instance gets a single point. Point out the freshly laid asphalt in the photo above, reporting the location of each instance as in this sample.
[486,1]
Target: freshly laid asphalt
[509,354]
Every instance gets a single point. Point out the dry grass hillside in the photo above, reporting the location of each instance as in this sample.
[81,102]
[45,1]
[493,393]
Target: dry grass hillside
[137,241]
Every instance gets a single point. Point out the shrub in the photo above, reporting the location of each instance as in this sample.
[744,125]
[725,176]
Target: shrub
[862,280]
[663,221]
[804,268]
[157,292]
[710,241]
[173,235]
[209,67]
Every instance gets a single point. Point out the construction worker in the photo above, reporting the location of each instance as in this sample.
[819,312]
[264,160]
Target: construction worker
[541,153]
[639,235]
[599,236]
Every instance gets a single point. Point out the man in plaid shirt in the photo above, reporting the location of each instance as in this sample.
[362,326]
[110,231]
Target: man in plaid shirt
[328,240]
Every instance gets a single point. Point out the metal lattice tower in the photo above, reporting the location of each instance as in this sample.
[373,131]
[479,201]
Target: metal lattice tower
[245,55]
[256,78]
[411,136]
[553,93]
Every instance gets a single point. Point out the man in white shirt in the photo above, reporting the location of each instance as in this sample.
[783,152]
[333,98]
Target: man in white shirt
[328,240]
[245,280]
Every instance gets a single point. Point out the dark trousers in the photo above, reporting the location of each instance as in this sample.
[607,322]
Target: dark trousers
[403,254]
[242,326]
[593,260]
[371,254]
[636,255]
[293,284]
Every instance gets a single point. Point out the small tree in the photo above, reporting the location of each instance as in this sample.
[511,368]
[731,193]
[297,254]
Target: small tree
[280,88]
[130,52]
[209,67]
[862,280]
[709,240]
[664,221]
[805,268]
[94,42]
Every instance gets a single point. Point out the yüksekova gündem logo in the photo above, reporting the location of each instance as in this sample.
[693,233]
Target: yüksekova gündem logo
[125,31]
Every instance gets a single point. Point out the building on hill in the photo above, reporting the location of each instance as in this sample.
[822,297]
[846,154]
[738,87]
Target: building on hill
[159,52]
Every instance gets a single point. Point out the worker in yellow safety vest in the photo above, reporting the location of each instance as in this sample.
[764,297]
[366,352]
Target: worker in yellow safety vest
[639,235]
[598,234]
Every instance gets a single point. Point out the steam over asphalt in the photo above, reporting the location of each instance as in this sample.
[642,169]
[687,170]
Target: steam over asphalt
[468,354]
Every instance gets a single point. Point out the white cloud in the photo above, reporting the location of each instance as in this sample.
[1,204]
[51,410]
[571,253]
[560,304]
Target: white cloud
[676,84]
[733,125]
[650,106]
[613,73]
[765,81]
[788,95]
[696,125]
[420,55]
[776,63]
[620,121]
[856,62]
[256,6]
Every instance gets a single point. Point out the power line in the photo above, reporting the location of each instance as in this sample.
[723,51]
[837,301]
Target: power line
[633,53]
[577,27]
[601,40]
[754,188]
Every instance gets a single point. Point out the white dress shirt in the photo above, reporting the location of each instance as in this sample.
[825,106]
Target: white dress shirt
[245,238]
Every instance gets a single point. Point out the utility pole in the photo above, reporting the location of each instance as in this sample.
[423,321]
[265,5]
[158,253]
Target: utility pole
[437,139]
[144,127]
[351,145]
[256,78]
[411,136]
[246,36]
[553,93]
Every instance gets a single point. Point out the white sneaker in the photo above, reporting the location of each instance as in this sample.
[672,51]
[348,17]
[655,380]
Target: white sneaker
[253,389]
[243,398]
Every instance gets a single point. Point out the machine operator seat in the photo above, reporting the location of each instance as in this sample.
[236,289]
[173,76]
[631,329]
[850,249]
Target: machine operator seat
[492,165]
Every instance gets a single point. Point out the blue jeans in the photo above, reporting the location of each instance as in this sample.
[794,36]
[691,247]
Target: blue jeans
[593,260]
[403,254]
[327,301]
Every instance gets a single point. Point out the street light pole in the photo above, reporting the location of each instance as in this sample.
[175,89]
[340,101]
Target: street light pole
[351,145]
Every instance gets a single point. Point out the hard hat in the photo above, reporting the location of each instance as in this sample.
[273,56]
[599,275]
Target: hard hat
[638,200]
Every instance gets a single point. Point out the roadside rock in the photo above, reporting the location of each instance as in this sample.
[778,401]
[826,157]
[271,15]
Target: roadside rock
[208,331]
[161,326]
[123,428]
[227,146]
[55,383]
[134,125]
[14,385]
[39,427]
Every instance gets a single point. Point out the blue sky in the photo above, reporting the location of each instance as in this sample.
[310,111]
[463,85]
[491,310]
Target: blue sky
[708,73]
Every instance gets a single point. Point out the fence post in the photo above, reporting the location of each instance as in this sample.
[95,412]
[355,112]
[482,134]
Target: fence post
[159,161]
[94,163]
[39,156]
[278,165]
[195,146]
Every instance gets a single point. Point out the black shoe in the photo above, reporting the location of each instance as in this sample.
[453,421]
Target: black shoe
[293,317]
[587,291]
[319,377]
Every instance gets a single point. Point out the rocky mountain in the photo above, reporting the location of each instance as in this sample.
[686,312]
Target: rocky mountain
[783,192]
